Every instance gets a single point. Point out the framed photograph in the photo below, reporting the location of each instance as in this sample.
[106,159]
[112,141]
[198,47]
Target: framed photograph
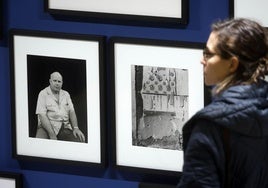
[10,180]
[57,96]
[158,86]
[155,11]
[244,8]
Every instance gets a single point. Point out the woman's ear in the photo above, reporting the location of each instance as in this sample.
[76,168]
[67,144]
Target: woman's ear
[234,64]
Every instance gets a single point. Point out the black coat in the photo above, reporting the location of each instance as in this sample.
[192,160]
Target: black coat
[242,111]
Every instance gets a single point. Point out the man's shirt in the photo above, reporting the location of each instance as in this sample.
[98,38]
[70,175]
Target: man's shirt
[57,111]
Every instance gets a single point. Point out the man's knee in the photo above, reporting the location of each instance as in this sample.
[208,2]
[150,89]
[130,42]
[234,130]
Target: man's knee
[41,133]
[67,135]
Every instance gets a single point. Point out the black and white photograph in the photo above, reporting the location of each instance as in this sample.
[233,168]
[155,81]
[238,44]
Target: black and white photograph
[160,105]
[161,12]
[158,86]
[57,96]
[244,8]
[10,179]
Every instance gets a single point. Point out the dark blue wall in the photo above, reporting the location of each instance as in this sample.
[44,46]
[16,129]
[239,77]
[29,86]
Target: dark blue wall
[29,14]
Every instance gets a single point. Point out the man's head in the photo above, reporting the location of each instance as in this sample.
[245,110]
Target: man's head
[55,82]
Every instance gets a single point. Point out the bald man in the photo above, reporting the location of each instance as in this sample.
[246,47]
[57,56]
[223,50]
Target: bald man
[56,115]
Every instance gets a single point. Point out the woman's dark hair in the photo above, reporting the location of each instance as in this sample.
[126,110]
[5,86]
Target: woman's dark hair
[248,41]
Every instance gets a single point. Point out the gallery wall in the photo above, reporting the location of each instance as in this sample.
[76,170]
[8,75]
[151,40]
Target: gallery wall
[30,15]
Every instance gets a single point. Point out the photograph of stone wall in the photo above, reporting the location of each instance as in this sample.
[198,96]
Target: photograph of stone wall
[159,106]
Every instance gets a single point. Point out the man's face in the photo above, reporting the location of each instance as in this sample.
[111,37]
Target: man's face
[56,82]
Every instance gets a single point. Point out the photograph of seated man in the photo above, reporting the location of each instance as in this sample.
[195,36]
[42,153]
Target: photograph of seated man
[56,114]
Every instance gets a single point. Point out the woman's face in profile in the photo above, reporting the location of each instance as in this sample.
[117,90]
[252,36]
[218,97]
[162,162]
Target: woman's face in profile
[216,69]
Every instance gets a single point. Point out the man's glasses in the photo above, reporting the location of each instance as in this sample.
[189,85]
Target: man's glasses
[207,54]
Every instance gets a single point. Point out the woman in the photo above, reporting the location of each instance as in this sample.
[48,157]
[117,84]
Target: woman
[226,143]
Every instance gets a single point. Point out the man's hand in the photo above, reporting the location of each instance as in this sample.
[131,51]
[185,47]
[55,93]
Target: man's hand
[79,134]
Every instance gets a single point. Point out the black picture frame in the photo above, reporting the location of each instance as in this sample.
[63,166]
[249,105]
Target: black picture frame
[156,12]
[1,19]
[10,179]
[241,8]
[154,185]
[34,55]
[134,142]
